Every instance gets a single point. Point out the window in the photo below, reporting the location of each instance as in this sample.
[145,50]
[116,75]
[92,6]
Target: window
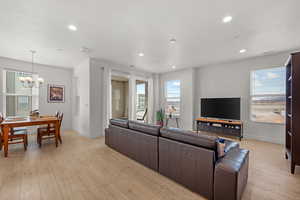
[19,101]
[172,97]
[268,95]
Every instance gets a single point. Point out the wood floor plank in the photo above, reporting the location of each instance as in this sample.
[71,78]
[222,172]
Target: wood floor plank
[86,169]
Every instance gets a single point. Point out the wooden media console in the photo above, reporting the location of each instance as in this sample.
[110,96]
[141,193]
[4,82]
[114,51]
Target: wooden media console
[224,127]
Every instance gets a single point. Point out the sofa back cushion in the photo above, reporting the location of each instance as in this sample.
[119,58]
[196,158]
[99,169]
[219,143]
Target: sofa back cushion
[120,122]
[134,144]
[188,165]
[150,129]
[189,137]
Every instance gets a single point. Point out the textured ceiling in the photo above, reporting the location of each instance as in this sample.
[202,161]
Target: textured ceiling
[119,30]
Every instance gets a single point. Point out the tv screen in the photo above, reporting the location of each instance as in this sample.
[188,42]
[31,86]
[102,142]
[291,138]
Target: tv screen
[224,108]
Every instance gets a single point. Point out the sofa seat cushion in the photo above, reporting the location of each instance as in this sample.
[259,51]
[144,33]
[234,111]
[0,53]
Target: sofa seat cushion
[150,129]
[189,137]
[120,122]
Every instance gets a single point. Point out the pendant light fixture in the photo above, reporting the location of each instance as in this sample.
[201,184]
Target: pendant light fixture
[29,81]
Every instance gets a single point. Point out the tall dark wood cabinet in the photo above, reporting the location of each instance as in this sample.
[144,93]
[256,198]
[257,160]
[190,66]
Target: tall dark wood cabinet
[292,142]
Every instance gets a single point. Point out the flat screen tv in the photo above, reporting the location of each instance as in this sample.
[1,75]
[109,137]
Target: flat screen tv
[222,108]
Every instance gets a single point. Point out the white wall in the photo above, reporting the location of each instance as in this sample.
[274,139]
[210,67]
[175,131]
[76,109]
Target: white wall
[187,95]
[96,99]
[156,95]
[93,90]
[81,119]
[51,75]
[233,80]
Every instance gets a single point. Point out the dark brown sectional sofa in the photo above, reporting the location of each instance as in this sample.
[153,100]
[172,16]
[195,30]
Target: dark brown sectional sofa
[186,157]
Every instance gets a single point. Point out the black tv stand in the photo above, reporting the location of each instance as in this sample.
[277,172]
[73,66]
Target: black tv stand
[223,127]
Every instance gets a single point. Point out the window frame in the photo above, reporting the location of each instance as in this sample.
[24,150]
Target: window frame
[261,95]
[180,96]
[34,97]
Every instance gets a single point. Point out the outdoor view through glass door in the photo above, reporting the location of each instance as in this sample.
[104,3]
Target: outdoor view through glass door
[141,100]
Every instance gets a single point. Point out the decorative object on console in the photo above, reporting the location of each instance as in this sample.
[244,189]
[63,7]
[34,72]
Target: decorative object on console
[34,113]
[56,93]
[171,110]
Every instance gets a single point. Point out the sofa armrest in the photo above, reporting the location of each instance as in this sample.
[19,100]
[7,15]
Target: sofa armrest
[231,175]
[230,145]
[106,132]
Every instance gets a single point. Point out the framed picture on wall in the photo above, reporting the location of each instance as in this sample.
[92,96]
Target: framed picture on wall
[56,93]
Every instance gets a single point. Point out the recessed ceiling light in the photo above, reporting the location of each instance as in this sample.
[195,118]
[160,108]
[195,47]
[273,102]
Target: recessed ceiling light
[141,54]
[172,40]
[227,19]
[173,66]
[243,50]
[72,27]
[85,49]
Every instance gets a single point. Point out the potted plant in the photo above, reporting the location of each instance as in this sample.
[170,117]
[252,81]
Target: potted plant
[160,117]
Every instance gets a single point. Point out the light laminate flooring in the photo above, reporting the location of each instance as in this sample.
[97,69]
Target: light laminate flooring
[86,169]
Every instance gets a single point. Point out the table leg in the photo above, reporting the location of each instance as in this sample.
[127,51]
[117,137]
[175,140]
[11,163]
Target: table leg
[56,133]
[5,140]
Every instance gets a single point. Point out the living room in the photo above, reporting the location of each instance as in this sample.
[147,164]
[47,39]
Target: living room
[149,100]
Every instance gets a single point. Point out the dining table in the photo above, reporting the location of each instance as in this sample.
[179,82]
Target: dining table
[13,122]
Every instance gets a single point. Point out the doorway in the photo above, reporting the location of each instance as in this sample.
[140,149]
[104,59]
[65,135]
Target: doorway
[119,97]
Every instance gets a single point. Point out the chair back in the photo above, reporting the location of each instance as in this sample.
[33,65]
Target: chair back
[57,113]
[60,118]
[1,118]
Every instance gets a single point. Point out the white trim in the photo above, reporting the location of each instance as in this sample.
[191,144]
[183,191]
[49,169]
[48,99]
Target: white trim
[107,73]
[150,100]
[21,71]
[119,73]
[288,61]
[132,98]
[269,95]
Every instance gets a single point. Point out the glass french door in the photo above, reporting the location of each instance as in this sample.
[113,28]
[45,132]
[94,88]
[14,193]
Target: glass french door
[141,100]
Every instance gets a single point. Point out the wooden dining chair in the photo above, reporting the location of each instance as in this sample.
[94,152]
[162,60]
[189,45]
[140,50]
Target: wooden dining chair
[15,136]
[17,130]
[49,132]
[57,113]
